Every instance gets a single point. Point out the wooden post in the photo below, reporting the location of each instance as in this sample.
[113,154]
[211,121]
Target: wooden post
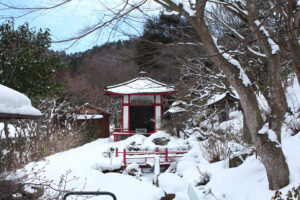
[226,108]
[6,132]
[124,158]
[117,152]
[166,154]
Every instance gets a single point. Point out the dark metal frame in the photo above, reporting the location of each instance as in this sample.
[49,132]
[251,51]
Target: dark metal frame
[90,193]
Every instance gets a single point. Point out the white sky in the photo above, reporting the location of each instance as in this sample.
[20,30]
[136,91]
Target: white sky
[66,21]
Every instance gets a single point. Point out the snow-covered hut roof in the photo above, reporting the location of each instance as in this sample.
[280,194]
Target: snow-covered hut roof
[83,109]
[88,116]
[15,105]
[140,85]
[218,98]
[175,109]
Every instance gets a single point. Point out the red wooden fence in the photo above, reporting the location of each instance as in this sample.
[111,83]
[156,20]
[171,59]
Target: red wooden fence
[142,157]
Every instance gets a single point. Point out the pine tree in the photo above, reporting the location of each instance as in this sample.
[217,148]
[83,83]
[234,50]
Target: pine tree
[26,64]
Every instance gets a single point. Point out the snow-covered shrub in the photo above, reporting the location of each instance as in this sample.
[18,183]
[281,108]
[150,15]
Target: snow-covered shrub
[237,160]
[199,134]
[292,122]
[293,193]
[134,170]
[214,149]
[175,123]
[168,197]
[32,140]
[134,146]
[15,190]
[203,179]
[162,141]
[108,153]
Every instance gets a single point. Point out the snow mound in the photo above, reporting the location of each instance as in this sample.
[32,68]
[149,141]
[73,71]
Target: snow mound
[172,183]
[14,102]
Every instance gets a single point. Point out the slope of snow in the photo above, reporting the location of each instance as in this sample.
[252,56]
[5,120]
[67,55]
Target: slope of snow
[247,181]
[81,161]
[13,102]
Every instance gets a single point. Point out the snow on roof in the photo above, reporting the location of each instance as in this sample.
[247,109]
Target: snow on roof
[219,97]
[89,116]
[87,105]
[14,104]
[175,109]
[140,85]
[176,103]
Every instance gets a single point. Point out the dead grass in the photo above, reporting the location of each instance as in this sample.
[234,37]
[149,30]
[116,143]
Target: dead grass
[214,149]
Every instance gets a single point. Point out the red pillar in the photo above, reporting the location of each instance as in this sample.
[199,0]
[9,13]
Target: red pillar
[156,151]
[117,152]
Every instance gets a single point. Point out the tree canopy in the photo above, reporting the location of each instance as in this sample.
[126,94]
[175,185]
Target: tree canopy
[26,63]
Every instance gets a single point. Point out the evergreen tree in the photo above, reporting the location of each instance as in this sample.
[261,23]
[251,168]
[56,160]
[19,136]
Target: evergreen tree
[159,30]
[26,64]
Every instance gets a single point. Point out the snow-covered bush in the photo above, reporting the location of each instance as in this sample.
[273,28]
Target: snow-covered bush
[292,122]
[134,170]
[15,190]
[293,193]
[32,140]
[134,146]
[161,141]
[108,153]
[214,149]
[204,178]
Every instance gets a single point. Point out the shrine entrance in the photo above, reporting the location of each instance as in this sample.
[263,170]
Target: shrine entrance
[142,117]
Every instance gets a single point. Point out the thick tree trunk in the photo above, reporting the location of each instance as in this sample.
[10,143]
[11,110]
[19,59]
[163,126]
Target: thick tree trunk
[271,155]
[277,96]
[293,25]
[275,164]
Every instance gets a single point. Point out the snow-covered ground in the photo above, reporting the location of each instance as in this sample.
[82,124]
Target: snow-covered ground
[247,181]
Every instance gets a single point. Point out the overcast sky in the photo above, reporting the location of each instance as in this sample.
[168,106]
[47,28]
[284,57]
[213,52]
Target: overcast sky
[68,20]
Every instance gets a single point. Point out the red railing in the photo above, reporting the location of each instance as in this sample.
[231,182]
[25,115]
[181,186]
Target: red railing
[120,130]
[141,157]
[120,133]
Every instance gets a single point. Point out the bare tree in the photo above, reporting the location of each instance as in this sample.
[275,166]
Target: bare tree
[261,41]
[269,151]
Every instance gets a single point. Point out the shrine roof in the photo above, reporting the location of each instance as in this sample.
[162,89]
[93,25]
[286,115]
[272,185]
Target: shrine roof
[140,85]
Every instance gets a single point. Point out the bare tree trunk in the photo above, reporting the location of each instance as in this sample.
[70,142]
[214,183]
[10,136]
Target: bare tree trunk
[293,25]
[271,155]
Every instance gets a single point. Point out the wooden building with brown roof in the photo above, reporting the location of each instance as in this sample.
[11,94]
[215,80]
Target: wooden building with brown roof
[98,117]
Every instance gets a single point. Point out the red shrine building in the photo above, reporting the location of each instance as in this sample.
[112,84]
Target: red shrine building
[142,105]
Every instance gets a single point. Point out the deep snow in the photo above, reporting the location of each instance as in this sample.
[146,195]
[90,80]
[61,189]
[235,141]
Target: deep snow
[247,181]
